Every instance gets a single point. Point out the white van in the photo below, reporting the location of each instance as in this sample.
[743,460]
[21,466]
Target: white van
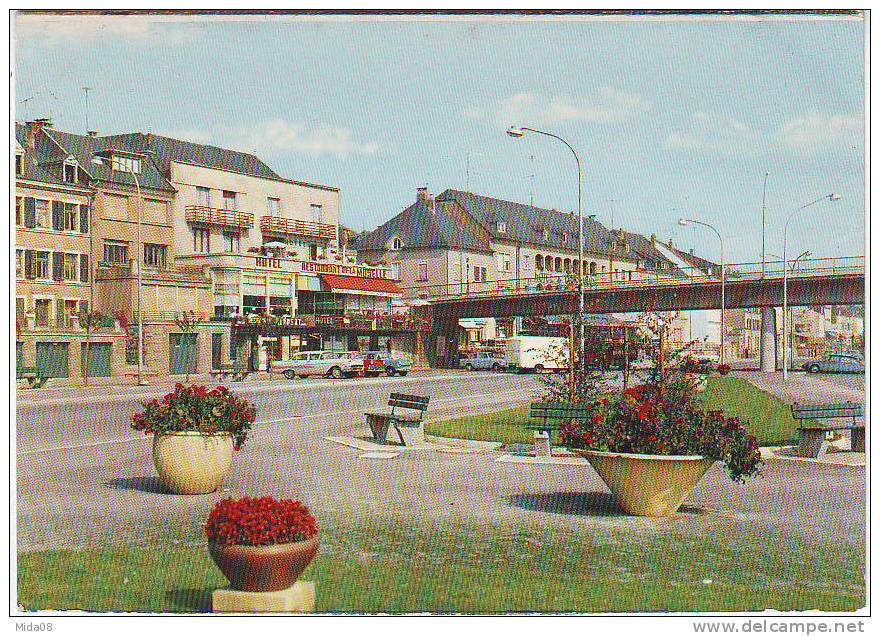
[536,354]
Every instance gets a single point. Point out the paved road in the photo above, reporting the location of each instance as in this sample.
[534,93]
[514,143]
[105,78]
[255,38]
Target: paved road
[84,479]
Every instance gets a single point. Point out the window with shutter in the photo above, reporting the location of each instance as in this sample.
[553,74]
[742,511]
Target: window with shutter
[57,215]
[57,266]
[30,212]
[84,219]
[84,268]
[30,266]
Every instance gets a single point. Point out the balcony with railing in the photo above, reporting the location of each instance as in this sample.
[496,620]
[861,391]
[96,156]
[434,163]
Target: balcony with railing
[278,226]
[218,216]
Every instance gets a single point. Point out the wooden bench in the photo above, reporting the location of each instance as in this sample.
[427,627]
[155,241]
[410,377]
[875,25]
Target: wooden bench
[409,427]
[236,370]
[813,429]
[551,417]
[33,376]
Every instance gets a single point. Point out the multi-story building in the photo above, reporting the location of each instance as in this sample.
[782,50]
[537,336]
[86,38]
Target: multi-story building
[55,266]
[270,246]
[461,241]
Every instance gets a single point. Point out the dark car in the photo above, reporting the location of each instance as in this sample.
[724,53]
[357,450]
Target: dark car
[836,363]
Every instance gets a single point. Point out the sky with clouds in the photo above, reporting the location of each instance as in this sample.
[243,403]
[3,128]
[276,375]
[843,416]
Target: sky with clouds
[671,117]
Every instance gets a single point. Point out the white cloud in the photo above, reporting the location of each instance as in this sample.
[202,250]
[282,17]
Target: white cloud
[277,136]
[608,107]
[815,131]
[714,132]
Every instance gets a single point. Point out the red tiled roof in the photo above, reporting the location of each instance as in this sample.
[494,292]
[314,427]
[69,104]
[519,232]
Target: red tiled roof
[377,286]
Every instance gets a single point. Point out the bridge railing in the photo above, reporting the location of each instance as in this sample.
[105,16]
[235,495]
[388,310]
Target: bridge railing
[549,282]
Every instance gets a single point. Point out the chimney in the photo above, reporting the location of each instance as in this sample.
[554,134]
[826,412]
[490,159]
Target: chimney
[33,128]
[92,133]
[670,244]
[653,239]
[691,251]
[422,194]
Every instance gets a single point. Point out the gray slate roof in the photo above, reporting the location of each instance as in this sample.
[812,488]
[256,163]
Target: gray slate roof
[168,149]
[55,146]
[418,226]
[525,223]
[31,170]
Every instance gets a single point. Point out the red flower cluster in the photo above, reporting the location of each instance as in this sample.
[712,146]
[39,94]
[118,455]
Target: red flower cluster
[262,521]
[195,408]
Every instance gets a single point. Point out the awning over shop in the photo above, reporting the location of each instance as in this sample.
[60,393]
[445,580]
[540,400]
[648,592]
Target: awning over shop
[358,285]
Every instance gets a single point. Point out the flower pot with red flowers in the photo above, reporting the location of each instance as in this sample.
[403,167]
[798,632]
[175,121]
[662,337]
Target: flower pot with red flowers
[651,445]
[263,544]
[723,369]
[195,432]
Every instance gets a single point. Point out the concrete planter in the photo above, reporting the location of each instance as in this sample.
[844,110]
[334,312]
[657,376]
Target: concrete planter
[190,463]
[648,485]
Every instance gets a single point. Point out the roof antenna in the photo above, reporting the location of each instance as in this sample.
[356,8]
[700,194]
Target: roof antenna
[85,90]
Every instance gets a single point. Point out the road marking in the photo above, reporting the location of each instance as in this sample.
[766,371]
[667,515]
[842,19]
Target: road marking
[448,403]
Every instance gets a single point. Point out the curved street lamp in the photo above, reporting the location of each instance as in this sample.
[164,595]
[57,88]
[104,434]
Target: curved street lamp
[517,132]
[829,197]
[685,223]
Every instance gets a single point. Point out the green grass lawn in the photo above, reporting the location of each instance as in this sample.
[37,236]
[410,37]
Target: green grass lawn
[478,569]
[769,419]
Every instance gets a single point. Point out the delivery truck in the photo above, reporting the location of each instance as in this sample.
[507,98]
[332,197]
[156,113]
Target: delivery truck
[536,354]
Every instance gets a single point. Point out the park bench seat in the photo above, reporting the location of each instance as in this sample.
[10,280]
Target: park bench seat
[550,417]
[815,420]
[33,376]
[408,426]
[236,370]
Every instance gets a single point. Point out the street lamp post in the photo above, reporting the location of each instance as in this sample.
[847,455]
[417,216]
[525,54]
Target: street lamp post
[684,223]
[830,197]
[518,132]
[99,160]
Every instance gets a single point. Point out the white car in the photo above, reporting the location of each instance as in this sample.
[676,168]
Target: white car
[324,363]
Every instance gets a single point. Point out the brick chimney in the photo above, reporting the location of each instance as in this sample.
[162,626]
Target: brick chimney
[653,239]
[33,128]
[422,194]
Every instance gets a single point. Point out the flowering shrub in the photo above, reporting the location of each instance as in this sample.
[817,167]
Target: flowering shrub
[263,521]
[195,408]
[645,420]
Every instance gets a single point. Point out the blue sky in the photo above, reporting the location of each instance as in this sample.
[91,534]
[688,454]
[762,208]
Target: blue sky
[671,117]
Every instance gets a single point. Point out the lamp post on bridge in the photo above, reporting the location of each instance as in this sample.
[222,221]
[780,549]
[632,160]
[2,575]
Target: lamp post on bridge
[829,197]
[685,223]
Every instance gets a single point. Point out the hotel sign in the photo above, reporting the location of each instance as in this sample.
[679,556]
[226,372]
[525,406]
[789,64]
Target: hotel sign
[268,262]
[310,267]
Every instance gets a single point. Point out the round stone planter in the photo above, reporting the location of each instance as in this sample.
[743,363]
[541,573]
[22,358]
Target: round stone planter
[264,568]
[648,485]
[190,463]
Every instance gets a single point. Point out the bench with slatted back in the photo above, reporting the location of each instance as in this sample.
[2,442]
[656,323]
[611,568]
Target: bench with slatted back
[32,375]
[551,417]
[814,424]
[409,426]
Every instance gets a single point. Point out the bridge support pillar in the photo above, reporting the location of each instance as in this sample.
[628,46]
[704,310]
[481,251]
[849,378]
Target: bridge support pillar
[768,339]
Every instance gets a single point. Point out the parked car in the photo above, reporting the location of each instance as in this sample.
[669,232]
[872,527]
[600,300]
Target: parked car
[324,363]
[482,362]
[397,364]
[374,363]
[836,363]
